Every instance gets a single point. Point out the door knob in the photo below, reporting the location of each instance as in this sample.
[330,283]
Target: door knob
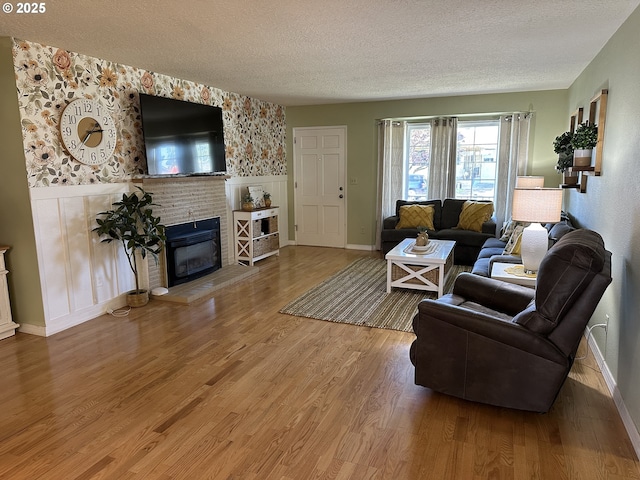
[340,196]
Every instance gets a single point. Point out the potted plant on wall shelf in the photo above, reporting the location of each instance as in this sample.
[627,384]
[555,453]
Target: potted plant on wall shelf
[563,147]
[132,222]
[584,140]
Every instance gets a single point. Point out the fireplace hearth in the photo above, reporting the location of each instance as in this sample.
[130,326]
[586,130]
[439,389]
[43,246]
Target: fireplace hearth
[193,250]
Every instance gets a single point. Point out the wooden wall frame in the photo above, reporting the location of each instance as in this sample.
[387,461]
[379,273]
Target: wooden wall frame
[576,119]
[597,115]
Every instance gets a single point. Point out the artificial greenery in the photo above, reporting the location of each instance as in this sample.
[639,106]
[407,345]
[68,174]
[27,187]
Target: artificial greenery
[562,144]
[564,162]
[563,147]
[585,136]
[266,195]
[132,222]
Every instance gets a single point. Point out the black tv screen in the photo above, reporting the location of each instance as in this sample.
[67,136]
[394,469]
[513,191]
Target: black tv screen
[182,138]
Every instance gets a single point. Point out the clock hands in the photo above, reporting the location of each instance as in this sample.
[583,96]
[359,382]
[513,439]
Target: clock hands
[95,129]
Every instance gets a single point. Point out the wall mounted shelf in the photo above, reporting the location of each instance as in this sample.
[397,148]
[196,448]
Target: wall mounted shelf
[597,115]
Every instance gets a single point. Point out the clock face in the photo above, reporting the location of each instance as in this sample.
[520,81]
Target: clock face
[88,131]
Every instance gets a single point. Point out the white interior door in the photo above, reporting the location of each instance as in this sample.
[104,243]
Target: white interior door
[319,170]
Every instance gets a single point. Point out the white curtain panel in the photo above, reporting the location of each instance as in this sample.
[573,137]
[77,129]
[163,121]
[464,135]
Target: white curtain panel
[513,157]
[442,173]
[390,170]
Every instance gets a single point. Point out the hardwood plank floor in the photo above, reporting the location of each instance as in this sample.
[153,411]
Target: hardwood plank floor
[228,388]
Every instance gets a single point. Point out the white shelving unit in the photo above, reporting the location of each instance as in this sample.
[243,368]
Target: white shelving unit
[7,326]
[256,234]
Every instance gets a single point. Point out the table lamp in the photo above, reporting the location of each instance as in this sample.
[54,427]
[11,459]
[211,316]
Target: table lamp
[535,205]
[530,181]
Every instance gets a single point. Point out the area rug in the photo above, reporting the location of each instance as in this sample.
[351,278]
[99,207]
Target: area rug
[358,295]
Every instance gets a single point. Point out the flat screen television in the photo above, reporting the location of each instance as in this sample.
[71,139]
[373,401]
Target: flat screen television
[182,138]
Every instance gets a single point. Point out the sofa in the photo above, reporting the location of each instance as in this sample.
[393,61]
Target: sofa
[493,249]
[508,345]
[446,216]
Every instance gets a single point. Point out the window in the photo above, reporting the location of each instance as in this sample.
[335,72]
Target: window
[476,160]
[416,178]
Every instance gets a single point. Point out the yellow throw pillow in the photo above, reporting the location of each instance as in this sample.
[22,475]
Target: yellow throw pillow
[474,214]
[414,216]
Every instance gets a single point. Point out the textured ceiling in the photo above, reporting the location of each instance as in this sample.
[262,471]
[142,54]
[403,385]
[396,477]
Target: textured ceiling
[301,52]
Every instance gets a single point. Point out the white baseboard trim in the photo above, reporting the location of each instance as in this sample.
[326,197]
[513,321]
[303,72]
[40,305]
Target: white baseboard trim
[39,330]
[629,425]
[368,248]
[63,323]
[350,246]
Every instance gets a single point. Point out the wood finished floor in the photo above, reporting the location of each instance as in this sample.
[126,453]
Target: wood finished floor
[228,388]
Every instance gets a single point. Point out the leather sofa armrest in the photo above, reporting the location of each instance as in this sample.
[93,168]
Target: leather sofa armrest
[484,325]
[494,294]
[390,222]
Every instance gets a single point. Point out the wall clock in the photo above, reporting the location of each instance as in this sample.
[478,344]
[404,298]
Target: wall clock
[88,131]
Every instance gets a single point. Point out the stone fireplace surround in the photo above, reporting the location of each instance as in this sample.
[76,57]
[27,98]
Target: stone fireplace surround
[187,199]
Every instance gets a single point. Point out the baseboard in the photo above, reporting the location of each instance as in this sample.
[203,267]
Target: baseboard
[63,323]
[39,330]
[350,246]
[629,425]
[368,248]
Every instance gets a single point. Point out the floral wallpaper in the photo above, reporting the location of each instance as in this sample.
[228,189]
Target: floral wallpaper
[49,78]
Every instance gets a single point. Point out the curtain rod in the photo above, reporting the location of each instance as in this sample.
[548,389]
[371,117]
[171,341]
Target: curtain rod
[463,115]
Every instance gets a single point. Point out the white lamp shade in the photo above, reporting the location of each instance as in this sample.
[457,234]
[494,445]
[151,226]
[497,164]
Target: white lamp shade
[530,181]
[541,205]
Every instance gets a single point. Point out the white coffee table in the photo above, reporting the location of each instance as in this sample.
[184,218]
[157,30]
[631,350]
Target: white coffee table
[503,271]
[419,271]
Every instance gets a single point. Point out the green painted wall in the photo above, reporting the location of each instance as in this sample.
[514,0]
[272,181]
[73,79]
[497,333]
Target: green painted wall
[550,120]
[611,205]
[16,224]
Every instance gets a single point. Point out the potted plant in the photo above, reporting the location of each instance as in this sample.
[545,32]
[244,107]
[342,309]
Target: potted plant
[267,199]
[132,222]
[583,142]
[563,147]
[247,202]
[423,237]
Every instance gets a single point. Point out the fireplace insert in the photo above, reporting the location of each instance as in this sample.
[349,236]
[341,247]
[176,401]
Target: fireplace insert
[193,250]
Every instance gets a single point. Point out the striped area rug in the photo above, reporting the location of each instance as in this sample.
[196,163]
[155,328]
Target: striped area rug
[358,295]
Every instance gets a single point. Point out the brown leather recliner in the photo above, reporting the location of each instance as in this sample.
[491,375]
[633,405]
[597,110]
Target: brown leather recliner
[507,345]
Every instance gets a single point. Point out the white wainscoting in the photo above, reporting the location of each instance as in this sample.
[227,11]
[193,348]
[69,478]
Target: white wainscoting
[81,278]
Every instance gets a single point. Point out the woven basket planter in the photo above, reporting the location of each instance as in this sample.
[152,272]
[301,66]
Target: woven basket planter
[137,298]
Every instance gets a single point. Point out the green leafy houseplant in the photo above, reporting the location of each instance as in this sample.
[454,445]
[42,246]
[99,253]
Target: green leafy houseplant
[133,224]
[563,147]
[585,137]
[247,202]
